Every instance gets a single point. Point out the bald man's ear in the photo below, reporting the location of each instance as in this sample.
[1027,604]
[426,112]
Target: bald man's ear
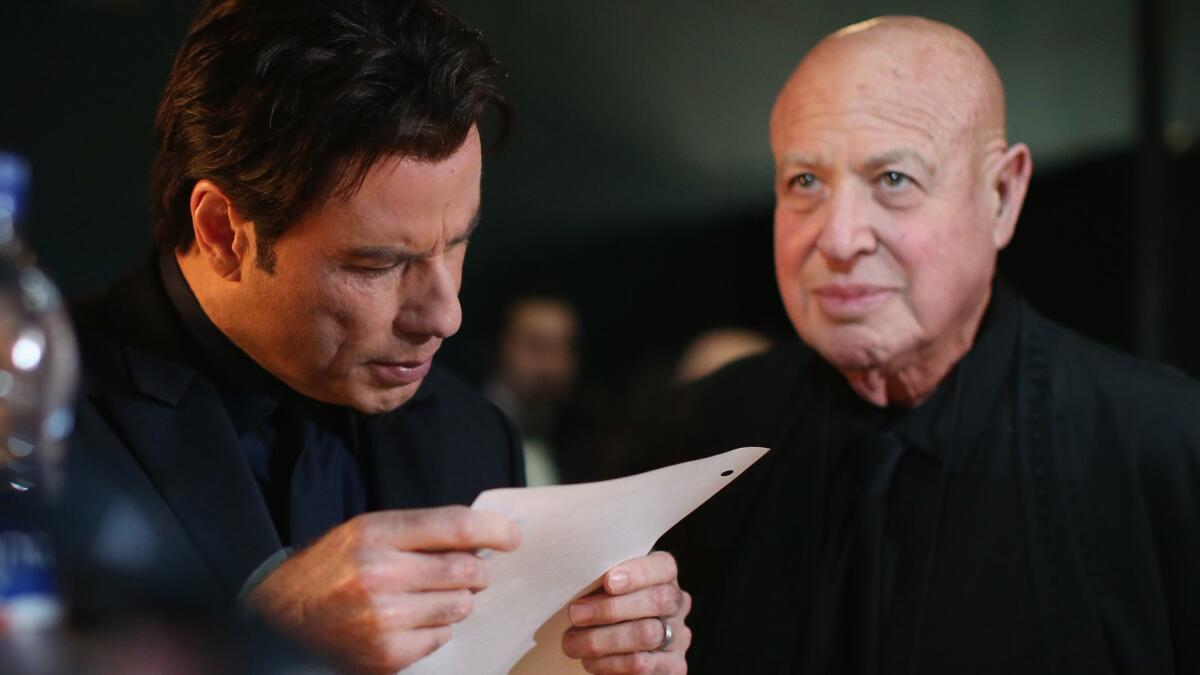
[1010,183]
[222,236]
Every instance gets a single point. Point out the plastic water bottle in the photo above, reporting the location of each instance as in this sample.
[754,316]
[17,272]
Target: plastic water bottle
[38,372]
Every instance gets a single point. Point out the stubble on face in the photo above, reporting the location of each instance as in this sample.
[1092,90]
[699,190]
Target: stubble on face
[365,289]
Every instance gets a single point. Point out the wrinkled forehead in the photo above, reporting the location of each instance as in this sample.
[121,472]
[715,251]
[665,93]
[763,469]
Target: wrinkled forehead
[853,117]
[921,90]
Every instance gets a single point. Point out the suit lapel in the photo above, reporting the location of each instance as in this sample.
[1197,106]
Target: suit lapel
[177,427]
[1067,610]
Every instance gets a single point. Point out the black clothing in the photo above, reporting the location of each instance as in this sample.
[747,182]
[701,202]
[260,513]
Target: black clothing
[1038,517]
[303,453]
[161,432]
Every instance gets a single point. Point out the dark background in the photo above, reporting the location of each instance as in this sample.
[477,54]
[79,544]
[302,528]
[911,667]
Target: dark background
[639,180]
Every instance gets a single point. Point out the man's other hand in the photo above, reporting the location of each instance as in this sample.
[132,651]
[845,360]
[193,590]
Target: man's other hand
[381,590]
[621,627]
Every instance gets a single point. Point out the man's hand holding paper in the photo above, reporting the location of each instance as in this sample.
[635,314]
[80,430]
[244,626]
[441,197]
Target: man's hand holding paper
[577,539]
[383,589]
[386,587]
[622,627]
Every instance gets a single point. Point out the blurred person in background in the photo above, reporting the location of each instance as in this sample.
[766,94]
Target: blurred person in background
[618,449]
[714,349]
[957,484]
[261,391]
[537,363]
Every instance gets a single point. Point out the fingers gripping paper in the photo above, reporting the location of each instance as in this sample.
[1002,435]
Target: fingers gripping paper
[570,536]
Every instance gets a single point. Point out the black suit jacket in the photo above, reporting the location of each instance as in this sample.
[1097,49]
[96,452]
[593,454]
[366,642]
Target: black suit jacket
[158,487]
[1108,454]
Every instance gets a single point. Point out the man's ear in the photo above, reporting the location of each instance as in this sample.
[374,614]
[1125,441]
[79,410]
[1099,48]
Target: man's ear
[223,237]
[1010,182]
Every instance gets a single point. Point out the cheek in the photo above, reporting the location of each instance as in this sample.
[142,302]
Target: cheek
[360,309]
[911,245]
[925,266]
[332,322]
[793,245]
[940,265]
[792,251]
[930,244]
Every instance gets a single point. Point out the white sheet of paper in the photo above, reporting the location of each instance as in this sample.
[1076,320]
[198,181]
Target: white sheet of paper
[570,536]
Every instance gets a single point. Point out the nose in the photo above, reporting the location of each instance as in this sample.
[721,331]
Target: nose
[847,231]
[429,305]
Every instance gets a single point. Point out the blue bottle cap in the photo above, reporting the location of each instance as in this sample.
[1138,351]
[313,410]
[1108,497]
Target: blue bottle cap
[13,185]
[14,189]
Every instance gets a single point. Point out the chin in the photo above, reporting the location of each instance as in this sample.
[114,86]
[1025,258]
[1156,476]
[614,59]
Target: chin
[383,401]
[845,358]
[853,348]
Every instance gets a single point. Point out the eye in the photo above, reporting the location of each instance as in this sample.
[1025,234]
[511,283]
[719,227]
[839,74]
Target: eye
[371,272]
[894,179]
[803,181]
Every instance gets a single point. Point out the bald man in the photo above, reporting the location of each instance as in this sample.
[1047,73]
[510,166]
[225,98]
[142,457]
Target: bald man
[958,485]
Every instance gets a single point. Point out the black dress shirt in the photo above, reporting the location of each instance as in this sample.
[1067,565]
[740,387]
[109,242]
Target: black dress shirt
[946,578]
[952,501]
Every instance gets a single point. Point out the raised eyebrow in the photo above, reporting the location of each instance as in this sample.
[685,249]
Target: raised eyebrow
[800,159]
[470,229]
[897,156]
[398,255]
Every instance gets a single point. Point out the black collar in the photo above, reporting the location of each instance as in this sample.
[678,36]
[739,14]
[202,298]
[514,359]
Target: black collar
[948,424]
[250,393]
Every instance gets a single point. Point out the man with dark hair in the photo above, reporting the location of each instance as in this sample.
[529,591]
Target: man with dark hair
[536,365]
[957,484]
[263,392]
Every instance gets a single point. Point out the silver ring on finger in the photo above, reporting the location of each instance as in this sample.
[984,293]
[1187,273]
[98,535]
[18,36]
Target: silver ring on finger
[668,635]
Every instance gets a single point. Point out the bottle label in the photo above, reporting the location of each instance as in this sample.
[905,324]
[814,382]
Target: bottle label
[28,583]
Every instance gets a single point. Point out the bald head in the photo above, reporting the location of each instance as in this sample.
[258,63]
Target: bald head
[949,80]
[895,190]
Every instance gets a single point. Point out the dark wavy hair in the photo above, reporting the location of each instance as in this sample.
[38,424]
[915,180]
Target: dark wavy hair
[286,103]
